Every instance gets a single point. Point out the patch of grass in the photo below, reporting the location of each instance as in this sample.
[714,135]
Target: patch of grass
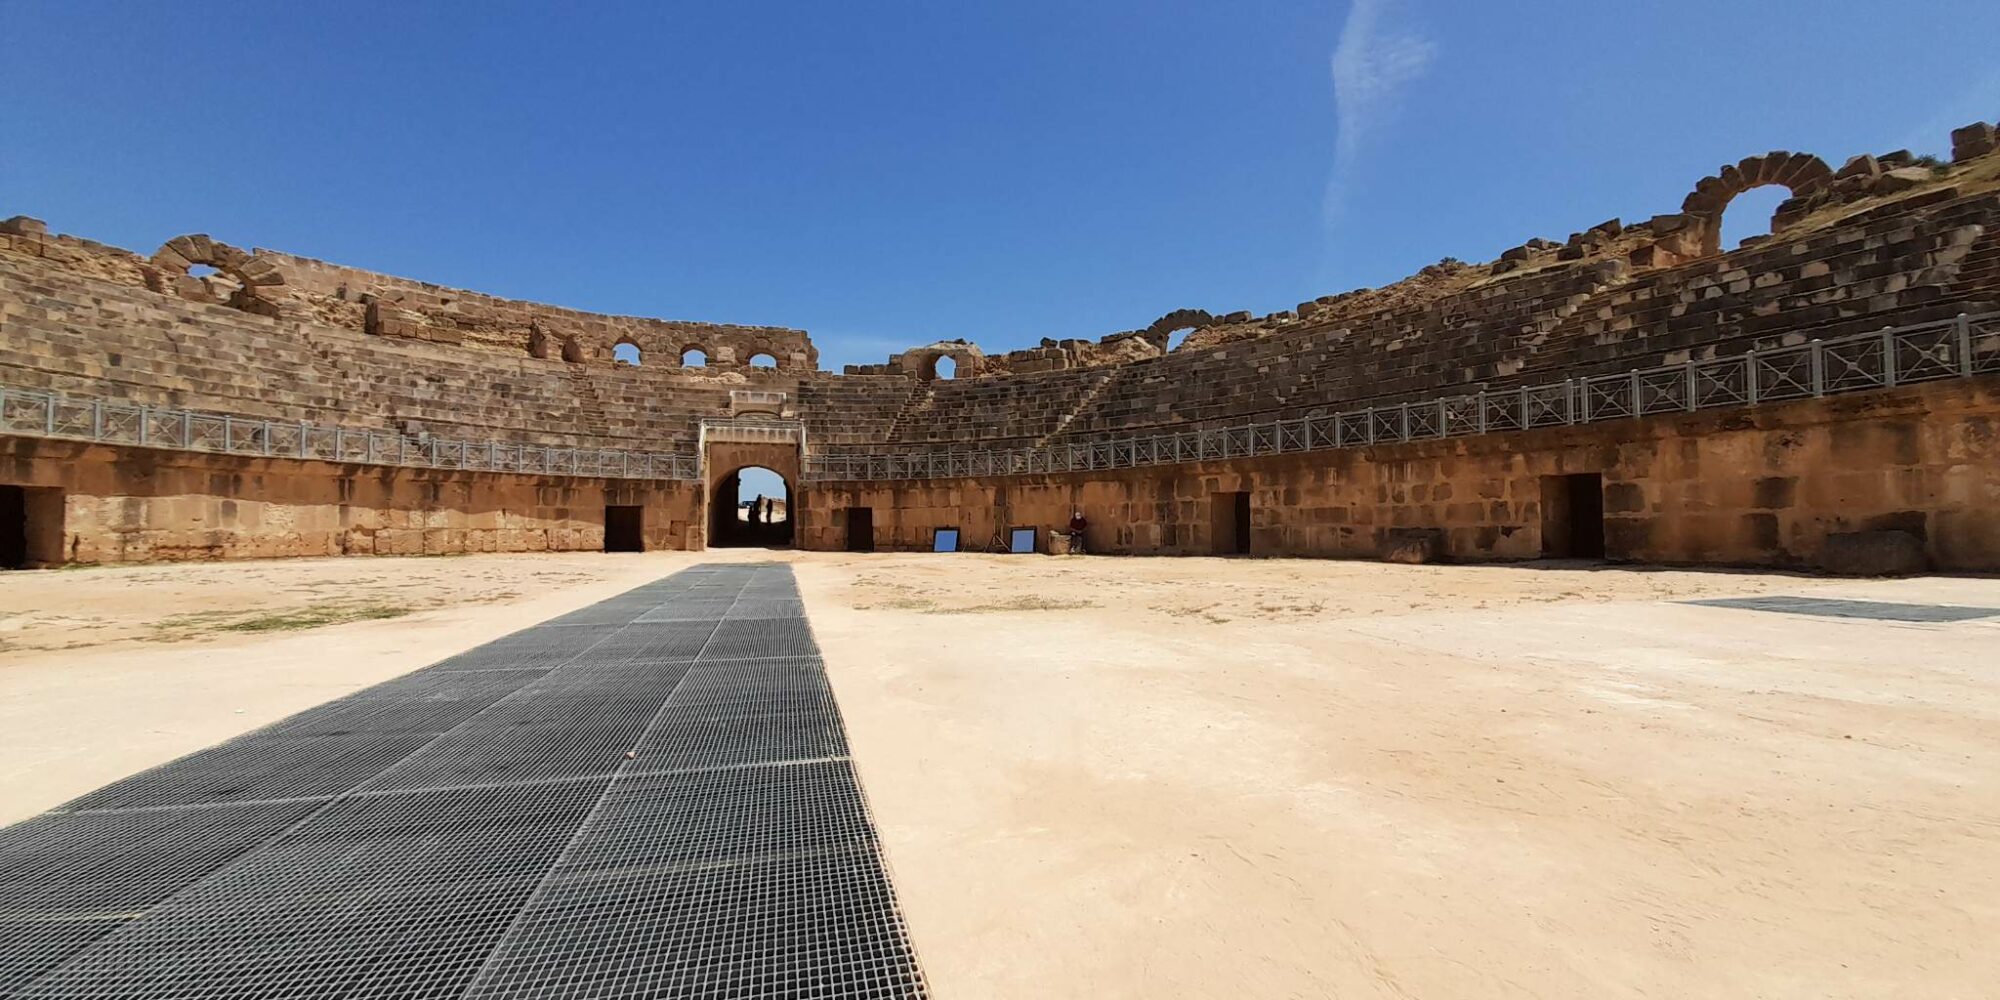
[316,616]
[189,626]
[1025,602]
[903,604]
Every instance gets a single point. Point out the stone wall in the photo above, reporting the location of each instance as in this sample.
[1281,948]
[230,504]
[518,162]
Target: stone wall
[139,505]
[1882,240]
[1762,487]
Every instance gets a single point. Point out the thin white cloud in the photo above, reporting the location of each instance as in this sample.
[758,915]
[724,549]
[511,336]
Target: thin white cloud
[1372,63]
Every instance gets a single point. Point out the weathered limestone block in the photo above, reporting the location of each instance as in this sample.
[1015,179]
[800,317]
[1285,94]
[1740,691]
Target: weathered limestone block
[1413,545]
[1974,140]
[1900,179]
[1873,553]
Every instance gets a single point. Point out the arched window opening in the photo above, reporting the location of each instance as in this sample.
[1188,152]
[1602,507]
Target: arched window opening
[1175,338]
[694,357]
[572,351]
[626,352]
[763,361]
[944,367]
[1748,216]
[752,508]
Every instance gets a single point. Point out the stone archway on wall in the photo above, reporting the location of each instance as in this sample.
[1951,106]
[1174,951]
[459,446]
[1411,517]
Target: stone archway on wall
[1160,333]
[726,452]
[922,362]
[1803,174]
[247,281]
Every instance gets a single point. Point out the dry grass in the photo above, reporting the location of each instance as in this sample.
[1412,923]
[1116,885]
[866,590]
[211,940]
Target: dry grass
[179,628]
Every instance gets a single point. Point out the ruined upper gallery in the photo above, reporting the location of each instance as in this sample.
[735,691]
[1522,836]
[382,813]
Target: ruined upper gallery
[200,323]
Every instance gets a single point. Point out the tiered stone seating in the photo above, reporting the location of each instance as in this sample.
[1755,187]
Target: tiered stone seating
[1014,408]
[77,334]
[1895,264]
[1929,256]
[853,409]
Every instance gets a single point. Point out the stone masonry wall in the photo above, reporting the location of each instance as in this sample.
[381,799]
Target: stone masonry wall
[1760,487]
[140,505]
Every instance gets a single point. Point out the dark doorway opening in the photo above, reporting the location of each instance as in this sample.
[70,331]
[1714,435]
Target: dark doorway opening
[31,526]
[13,527]
[860,529]
[1229,523]
[1573,516]
[625,529]
[752,508]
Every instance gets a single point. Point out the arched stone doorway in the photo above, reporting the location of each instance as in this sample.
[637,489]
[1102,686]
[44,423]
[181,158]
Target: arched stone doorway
[751,506]
[728,456]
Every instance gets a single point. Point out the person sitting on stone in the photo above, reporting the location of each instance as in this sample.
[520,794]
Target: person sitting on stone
[1077,522]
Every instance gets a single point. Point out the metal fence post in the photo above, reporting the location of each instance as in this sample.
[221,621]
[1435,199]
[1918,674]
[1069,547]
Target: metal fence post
[1404,415]
[265,430]
[1690,383]
[1889,357]
[1750,375]
[1817,354]
[49,418]
[1569,401]
[303,434]
[1962,327]
[1638,397]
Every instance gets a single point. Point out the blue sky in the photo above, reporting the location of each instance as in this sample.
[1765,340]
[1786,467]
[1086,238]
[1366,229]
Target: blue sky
[887,174]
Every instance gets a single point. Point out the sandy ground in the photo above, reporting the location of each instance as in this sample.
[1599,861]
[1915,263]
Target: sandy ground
[1202,778]
[1107,777]
[108,671]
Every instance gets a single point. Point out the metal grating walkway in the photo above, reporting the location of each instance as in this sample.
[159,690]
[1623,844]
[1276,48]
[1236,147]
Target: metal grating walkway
[1827,607]
[648,797]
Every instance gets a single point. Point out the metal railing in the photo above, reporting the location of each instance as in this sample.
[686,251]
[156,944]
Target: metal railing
[1961,347]
[45,413]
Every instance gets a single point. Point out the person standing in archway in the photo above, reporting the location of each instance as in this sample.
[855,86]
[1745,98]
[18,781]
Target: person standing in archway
[755,506]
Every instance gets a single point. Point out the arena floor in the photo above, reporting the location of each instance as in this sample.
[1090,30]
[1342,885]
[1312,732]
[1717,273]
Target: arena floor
[1193,777]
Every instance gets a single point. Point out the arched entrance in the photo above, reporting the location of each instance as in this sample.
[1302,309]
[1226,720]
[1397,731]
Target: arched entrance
[1801,174]
[752,506]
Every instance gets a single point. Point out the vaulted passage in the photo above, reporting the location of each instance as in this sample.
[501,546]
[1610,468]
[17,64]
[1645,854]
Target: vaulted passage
[651,796]
[751,508]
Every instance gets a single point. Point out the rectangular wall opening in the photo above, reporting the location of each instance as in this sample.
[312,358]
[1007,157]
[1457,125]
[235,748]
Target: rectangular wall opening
[1021,540]
[944,540]
[31,527]
[625,529]
[1229,523]
[860,529]
[1573,516]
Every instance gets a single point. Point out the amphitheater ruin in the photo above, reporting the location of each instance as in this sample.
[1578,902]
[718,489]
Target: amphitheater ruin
[1616,622]
[1811,399]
